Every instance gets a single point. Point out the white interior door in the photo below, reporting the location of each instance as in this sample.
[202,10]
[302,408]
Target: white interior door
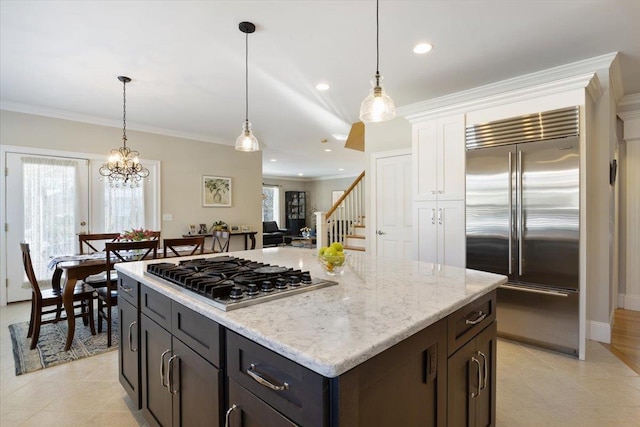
[394,230]
[47,200]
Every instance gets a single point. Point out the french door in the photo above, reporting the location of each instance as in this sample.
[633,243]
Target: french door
[47,200]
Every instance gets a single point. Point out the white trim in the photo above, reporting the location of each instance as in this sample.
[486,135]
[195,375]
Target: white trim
[615,79]
[85,118]
[599,331]
[461,102]
[630,100]
[370,238]
[620,300]
[560,73]
[630,302]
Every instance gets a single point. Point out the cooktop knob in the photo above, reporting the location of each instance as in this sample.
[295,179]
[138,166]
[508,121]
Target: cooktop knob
[235,293]
[281,283]
[267,286]
[252,289]
[294,281]
[306,278]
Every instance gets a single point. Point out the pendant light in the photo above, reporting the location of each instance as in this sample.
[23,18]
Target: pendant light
[378,106]
[247,141]
[123,164]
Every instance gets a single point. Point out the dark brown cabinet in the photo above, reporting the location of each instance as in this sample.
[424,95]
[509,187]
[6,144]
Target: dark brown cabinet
[181,386]
[471,394]
[129,339]
[295,211]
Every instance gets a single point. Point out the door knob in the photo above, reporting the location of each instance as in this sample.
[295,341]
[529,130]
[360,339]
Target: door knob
[83,223]
[380,232]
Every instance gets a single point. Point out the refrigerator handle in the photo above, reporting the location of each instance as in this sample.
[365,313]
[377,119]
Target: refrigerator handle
[520,219]
[440,216]
[510,213]
[433,216]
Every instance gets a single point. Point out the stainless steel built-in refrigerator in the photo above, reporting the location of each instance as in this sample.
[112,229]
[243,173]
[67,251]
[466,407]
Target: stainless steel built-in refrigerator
[523,221]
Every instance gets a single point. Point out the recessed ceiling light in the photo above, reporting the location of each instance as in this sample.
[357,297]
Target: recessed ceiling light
[339,136]
[327,150]
[341,169]
[274,160]
[322,86]
[421,48]
[300,174]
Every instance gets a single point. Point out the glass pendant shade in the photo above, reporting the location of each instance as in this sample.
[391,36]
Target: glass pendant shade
[377,106]
[247,141]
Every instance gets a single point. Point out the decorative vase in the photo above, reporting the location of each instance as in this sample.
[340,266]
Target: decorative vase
[306,234]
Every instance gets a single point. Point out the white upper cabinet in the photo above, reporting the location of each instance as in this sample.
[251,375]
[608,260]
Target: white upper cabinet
[439,159]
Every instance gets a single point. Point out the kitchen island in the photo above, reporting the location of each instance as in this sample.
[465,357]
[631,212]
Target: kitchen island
[325,357]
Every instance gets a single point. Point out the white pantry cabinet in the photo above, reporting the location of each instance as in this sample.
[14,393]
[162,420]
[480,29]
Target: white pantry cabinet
[441,232]
[439,159]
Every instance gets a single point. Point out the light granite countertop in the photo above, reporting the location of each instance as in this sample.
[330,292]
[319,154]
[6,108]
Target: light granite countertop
[377,303]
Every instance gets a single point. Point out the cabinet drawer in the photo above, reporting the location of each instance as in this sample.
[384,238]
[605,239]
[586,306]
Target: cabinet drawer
[203,335]
[156,306]
[251,411]
[128,289]
[304,394]
[467,322]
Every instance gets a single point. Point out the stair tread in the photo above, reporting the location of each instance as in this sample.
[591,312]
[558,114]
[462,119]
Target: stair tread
[359,226]
[354,236]
[354,248]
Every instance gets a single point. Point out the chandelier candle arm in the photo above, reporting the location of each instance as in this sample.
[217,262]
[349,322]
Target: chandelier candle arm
[377,106]
[123,164]
[247,141]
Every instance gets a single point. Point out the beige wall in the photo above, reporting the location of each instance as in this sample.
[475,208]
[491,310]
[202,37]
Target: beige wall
[183,162]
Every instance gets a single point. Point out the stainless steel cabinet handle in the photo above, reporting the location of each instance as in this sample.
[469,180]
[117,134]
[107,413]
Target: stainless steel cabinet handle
[125,288]
[433,216]
[170,375]
[162,367]
[510,213]
[480,318]
[433,191]
[229,411]
[520,220]
[477,362]
[261,380]
[440,216]
[380,232]
[484,369]
[130,338]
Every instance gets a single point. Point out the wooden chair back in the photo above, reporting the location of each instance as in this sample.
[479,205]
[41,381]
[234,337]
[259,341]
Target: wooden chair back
[92,243]
[28,269]
[192,244]
[221,241]
[121,252]
[155,235]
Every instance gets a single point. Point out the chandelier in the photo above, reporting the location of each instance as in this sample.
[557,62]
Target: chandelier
[247,141]
[123,164]
[377,106]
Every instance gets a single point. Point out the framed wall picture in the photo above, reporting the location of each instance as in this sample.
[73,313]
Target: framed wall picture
[245,228]
[235,228]
[216,191]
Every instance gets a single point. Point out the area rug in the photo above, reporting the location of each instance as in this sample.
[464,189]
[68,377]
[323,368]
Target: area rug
[50,348]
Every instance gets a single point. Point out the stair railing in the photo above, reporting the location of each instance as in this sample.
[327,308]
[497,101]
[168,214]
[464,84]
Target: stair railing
[347,211]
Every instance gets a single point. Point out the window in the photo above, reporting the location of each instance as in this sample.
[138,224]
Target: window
[270,203]
[123,207]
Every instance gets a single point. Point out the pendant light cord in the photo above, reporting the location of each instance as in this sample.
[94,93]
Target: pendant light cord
[377,38]
[124,113]
[246,76]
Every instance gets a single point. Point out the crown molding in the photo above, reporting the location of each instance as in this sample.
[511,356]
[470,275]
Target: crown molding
[630,102]
[565,77]
[94,120]
[615,77]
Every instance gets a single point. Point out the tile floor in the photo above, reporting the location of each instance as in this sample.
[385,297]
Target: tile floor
[535,388]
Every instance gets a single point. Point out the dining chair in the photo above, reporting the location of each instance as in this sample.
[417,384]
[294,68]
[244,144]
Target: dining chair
[41,298]
[92,243]
[120,252]
[221,241]
[155,235]
[183,246]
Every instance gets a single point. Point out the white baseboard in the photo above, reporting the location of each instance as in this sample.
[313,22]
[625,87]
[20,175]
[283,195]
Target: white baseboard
[599,331]
[629,302]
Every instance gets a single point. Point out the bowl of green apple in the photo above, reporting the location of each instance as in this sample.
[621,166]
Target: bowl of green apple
[332,258]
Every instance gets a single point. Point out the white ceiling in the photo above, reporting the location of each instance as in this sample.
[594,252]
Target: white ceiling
[186,59]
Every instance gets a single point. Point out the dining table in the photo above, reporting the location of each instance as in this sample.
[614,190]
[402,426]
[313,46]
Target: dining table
[75,268]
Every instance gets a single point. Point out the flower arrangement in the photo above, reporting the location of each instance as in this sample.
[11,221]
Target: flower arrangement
[136,235]
[305,230]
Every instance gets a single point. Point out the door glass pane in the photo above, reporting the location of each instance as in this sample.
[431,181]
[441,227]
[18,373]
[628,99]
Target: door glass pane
[50,191]
[123,207]
[270,203]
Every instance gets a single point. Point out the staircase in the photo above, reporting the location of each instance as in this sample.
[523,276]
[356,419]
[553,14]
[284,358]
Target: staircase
[345,221]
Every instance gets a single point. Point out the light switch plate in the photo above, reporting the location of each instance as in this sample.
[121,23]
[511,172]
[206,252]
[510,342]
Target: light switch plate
[167,217]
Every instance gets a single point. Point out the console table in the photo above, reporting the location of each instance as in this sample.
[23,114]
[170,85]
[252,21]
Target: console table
[248,235]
